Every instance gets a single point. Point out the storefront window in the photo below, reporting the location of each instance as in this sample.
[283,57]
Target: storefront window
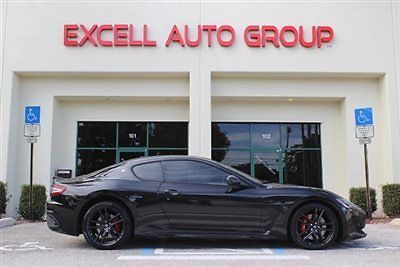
[263,150]
[97,134]
[266,166]
[230,135]
[158,152]
[168,134]
[101,144]
[302,167]
[300,135]
[238,159]
[91,160]
[265,135]
[132,134]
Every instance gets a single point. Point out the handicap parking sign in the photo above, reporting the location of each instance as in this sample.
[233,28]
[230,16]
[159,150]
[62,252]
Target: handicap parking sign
[32,114]
[363,116]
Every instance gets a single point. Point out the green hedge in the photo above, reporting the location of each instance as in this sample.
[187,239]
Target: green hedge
[39,201]
[3,197]
[391,199]
[357,196]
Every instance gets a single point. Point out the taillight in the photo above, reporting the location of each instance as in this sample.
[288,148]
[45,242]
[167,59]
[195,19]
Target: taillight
[56,190]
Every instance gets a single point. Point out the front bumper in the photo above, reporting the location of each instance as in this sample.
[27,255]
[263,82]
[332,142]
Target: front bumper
[61,219]
[355,222]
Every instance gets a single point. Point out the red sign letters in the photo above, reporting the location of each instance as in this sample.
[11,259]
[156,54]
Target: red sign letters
[223,35]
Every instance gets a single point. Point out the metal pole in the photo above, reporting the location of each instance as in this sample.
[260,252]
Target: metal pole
[31,186]
[367,195]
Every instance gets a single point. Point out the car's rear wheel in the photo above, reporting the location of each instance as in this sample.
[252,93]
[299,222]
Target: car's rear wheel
[314,226]
[107,225]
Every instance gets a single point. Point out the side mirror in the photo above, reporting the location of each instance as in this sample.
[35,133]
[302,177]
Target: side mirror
[232,180]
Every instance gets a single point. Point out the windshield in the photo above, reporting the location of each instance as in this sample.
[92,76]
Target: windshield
[241,173]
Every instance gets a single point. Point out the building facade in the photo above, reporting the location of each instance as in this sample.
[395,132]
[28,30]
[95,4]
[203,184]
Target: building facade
[268,88]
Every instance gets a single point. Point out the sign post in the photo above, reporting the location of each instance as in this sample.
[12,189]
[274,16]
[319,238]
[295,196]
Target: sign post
[364,133]
[31,131]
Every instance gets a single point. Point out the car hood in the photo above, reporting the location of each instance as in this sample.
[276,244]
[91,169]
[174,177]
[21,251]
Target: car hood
[313,190]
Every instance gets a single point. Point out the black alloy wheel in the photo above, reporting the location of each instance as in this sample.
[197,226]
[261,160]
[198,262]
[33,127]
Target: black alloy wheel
[314,226]
[107,225]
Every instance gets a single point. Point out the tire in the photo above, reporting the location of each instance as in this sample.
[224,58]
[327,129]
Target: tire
[314,226]
[107,225]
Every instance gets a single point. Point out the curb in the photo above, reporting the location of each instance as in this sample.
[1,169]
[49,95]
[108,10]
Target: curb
[395,222]
[6,222]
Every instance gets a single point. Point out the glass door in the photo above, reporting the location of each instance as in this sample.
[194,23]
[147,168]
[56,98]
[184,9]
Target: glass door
[267,165]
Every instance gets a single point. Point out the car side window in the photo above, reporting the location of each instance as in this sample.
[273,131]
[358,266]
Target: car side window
[187,171]
[149,171]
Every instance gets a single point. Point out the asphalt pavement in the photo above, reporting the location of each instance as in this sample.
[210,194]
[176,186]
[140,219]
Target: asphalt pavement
[33,244]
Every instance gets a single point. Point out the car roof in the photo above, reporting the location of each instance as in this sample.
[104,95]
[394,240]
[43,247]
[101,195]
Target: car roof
[165,157]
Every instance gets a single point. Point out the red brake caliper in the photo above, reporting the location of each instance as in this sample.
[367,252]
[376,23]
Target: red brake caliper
[303,224]
[117,226]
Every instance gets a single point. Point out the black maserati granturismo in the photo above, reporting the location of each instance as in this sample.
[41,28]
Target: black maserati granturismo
[184,196]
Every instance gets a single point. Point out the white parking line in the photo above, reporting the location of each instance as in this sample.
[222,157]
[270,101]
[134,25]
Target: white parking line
[214,257]
[24,247]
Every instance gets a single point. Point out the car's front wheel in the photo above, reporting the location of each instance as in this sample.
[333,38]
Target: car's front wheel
[314,226]
[107,225]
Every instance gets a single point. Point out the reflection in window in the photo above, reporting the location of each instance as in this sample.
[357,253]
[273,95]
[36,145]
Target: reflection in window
[97,134]
[238,159]
[91,160]
[265,135]
[132,134]
[168,134]
[230,135]
[266,166]
[263,153]
[302,167]
[304,135]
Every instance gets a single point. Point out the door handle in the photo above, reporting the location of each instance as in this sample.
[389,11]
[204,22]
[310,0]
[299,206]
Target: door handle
[171,192]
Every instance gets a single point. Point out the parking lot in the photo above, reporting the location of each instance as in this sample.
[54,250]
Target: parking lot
[32,244]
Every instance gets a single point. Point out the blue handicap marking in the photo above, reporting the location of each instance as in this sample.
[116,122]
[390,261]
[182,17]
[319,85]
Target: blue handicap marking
[278,251]
[32,114]
[147,251]
[363,116]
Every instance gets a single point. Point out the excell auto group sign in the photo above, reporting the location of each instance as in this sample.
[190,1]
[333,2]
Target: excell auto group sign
[128,35]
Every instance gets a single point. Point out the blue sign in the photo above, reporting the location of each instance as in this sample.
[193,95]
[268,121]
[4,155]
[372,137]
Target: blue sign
[363,116]
[32,115]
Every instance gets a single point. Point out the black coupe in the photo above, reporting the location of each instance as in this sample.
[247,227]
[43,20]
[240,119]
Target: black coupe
[184,196]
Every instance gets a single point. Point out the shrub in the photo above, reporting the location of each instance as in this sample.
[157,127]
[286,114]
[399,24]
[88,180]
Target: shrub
[38,205]
[3,197]
[391,199]
[357,196]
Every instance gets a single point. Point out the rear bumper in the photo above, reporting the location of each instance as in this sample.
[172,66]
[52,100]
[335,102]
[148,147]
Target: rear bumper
[61,219]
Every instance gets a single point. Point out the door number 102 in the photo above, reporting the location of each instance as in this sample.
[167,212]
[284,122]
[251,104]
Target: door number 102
[266,136]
